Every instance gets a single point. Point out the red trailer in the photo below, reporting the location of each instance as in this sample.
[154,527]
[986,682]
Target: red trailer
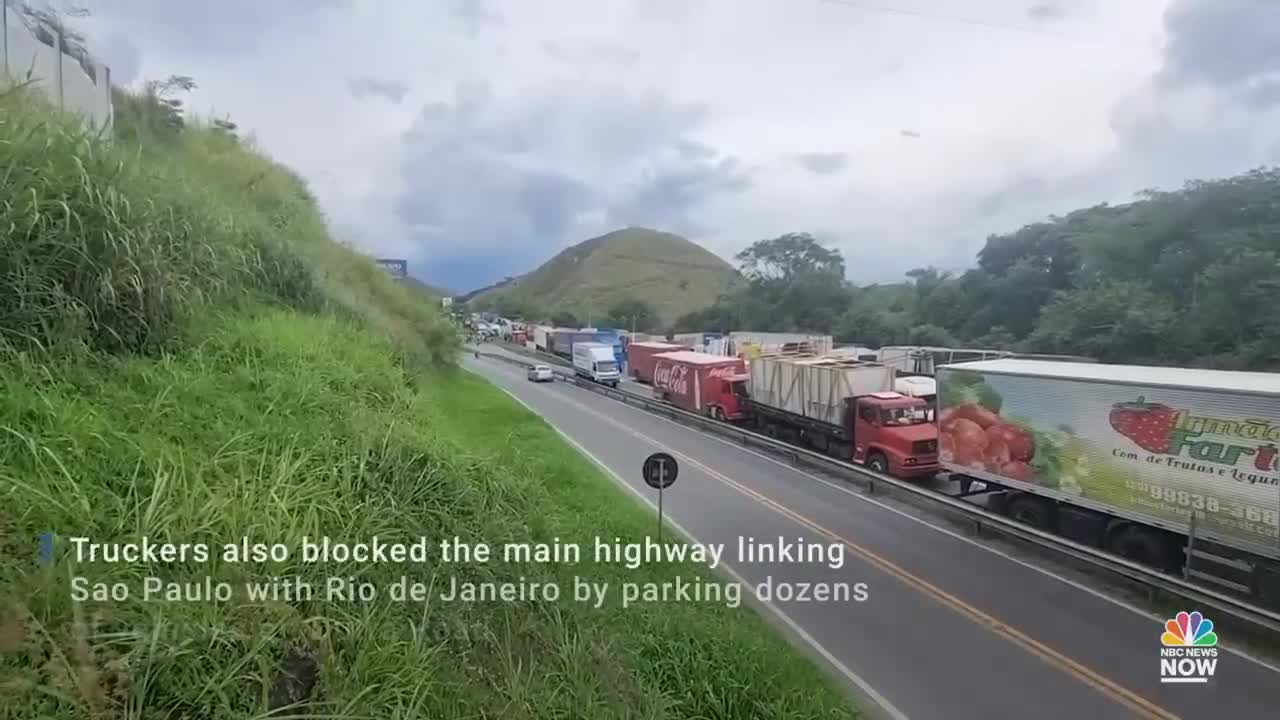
[640,357]
[700,382]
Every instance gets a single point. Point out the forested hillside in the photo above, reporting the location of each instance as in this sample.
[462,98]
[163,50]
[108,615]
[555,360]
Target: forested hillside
[1185,277]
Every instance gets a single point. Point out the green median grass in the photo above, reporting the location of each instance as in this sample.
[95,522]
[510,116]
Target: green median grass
[186,356]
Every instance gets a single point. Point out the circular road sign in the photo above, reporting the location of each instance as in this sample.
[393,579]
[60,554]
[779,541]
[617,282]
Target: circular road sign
[660,471]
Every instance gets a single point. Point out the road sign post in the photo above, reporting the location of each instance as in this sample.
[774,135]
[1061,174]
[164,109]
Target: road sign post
[660,471]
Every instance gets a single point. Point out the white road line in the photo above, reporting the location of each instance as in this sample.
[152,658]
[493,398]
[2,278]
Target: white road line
[1155,618]
[888,708]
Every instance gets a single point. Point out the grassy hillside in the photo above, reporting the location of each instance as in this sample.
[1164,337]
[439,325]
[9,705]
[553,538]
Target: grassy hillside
[667,271]
[427,289]
[186,356]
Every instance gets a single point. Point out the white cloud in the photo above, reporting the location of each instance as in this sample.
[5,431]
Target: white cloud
[523,127]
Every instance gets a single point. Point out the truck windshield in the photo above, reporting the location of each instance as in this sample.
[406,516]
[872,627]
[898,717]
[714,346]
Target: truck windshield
[606,366]
[903,416]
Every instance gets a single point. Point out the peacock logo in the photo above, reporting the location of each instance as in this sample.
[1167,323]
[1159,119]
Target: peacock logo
[1189,630]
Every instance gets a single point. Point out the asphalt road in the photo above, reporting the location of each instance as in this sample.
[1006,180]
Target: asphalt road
[950,628]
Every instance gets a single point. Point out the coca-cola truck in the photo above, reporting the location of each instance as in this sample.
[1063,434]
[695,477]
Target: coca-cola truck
[699,382]
[842,407]
[641,357]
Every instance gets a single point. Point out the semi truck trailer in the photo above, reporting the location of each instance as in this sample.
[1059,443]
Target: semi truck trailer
[1171,467]
[700,383]
[643,355]
[842,407]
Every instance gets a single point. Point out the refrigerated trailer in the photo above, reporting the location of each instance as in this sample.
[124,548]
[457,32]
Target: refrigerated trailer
[699,382]
[1142,461]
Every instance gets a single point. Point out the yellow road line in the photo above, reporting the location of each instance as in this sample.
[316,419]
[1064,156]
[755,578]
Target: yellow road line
[1139,704]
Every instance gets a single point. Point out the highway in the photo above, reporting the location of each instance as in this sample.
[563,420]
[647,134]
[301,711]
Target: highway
[951,629]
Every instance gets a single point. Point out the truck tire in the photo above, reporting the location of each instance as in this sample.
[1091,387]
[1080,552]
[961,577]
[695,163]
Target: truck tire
[717,413]
[877,462]
[1143,546]
[1031,510]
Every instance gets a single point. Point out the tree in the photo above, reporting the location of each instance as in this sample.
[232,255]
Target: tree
[632,314]
[565,319]
[162,94]
[788,257]
[1114,321]
[1190,276]
[931,335]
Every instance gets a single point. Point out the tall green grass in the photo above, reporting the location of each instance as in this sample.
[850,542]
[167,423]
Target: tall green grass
[113,247]
[187,356]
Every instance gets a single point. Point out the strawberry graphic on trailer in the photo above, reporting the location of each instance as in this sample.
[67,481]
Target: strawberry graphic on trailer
[1148,425]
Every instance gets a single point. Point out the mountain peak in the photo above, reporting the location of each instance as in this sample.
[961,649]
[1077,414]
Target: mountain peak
[671,273]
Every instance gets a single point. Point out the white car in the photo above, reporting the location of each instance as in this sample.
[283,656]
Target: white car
[541,373]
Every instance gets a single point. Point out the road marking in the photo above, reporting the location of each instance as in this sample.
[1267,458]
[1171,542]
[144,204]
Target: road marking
[968,540]
[1137,703]
[888,708]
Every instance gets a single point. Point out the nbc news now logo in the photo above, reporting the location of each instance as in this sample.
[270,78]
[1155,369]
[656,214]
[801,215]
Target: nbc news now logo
[1190,652]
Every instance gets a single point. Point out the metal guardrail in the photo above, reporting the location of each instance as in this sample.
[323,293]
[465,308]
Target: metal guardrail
[983,519]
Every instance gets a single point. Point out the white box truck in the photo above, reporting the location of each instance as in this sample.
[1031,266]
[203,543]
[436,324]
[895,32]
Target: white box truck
[1139,460]
[596,362]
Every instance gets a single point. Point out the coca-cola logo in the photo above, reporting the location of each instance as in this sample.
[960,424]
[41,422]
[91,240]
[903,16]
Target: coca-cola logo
[723,371]
[672,377]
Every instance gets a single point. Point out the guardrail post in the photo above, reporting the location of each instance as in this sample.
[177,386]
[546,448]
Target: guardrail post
[1191,547]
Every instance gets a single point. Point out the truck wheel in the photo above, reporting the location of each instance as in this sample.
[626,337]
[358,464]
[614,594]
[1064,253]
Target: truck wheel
[1142,546]
[717,412]
[878,463]
[1031,510]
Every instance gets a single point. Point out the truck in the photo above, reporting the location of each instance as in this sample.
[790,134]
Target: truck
[642,357]
[925,359]
[1174,468]
[843,407]
[540,333]
[700,383]
[747,343]
[919,386]
[696,340]
[595,361]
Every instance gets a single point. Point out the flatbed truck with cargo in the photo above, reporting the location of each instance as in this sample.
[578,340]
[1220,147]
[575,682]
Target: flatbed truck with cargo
[1173,468]
[841,407]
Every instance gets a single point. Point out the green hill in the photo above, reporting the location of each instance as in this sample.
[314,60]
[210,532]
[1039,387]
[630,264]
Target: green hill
[672,274]
[426,288]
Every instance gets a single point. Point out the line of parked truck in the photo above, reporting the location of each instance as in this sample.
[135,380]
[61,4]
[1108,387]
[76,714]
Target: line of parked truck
[1171,467]
[1175,468]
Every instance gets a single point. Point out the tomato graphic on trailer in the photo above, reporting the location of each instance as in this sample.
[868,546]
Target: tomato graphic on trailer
[1148,425]
[1109,438]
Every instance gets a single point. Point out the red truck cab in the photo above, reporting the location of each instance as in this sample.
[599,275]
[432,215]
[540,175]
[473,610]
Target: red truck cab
[894,434]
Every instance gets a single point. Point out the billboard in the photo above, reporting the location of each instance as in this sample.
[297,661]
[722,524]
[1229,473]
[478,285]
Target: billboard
[1150,453]
[399,268]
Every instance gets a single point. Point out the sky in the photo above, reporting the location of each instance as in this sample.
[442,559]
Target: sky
[477,138]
